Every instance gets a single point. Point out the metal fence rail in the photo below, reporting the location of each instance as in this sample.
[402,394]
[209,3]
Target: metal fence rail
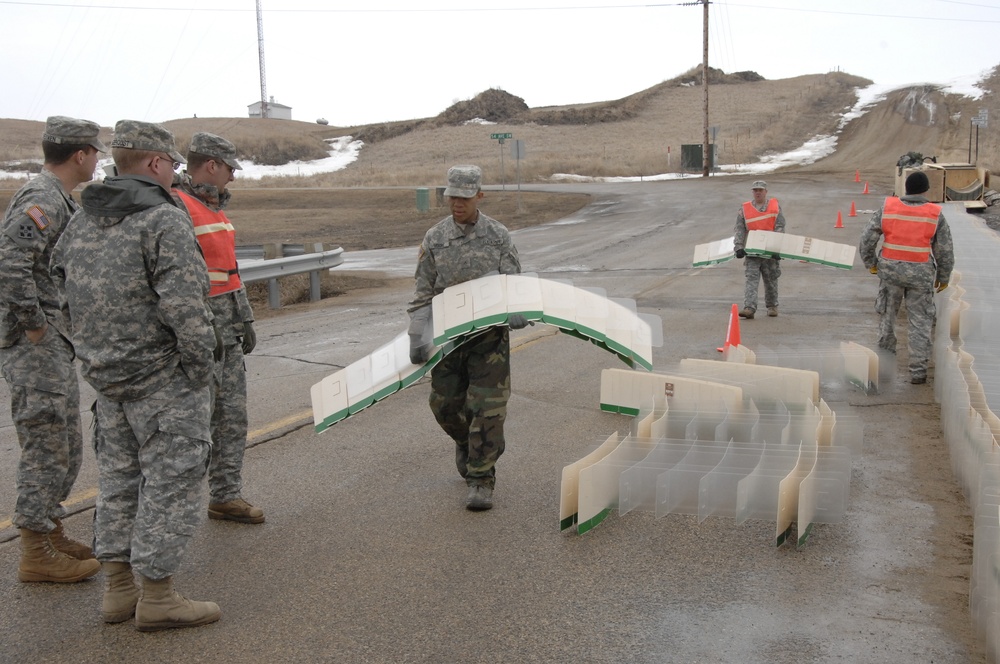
[255,267]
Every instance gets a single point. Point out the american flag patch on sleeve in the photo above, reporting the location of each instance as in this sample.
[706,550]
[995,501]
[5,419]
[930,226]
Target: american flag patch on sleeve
[38,217]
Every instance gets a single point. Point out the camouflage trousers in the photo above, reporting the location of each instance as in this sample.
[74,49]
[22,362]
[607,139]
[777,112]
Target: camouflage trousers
[920,314]
[45,409]
[469,392]
[757,267]
[229,426]
[152,456]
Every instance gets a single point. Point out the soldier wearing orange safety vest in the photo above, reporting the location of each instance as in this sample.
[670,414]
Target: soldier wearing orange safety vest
[916,258]
[202,189]
[759,214]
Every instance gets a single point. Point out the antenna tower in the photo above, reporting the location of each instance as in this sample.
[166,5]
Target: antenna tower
[260,53]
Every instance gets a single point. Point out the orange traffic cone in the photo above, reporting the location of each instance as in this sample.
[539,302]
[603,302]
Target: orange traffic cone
[840,221]
[857,176]
[866,188]
[733,332]
[853,212]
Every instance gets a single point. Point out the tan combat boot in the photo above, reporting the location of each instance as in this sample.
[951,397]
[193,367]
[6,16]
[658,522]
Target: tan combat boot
[162,608]
[70,547]
[40,561]
[237,510]
[120,592]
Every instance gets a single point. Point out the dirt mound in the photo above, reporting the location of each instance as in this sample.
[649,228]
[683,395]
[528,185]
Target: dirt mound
[493,105]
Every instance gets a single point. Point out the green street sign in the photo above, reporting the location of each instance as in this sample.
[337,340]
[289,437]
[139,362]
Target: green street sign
[501,136]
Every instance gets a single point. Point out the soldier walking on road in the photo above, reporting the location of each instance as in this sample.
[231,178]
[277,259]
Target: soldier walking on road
[470,387]
[759,214]
[916,259]
[36,355]
[134,284]
[211,166]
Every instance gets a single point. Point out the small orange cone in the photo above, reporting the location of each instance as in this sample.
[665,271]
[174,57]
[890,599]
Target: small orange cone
[733,332]
[840,220]
[853,212]
[857,176]
[866,188]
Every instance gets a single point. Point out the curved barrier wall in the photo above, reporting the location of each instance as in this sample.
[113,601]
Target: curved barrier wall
[967,385]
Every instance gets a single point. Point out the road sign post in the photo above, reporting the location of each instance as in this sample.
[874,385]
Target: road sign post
[517,151]
[501,138]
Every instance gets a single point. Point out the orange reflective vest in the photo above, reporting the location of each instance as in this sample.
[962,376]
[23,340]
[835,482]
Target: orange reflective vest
[908,230]
[760,221]
[217,238]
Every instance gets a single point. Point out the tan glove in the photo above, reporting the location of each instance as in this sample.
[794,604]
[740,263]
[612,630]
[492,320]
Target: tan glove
[940,286]
[873,269]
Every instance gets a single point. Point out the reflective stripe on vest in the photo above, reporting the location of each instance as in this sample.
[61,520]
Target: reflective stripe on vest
[217,238]
[760,221]
[908,230]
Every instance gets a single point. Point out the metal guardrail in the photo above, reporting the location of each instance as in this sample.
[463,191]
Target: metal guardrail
[255,267]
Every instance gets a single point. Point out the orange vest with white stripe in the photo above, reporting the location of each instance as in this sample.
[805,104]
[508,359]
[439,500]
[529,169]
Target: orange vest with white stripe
[908,230]
[760,221]
[217,238]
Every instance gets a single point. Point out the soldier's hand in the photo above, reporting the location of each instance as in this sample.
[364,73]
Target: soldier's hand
[518,321]
[419,351]
[873,269]
[740,253]
[249,338]
[940,285]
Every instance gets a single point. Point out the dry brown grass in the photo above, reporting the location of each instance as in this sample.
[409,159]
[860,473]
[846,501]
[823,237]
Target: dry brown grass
[629,136]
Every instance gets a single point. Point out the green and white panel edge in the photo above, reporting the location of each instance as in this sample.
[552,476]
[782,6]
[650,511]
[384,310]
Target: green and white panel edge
[460,312]
[587,314]
[785,245]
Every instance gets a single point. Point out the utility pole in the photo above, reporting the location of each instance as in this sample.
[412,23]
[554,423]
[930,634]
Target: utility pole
[260,54]
[705,159]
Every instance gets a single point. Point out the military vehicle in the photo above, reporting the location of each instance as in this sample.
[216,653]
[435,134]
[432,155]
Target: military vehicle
[965,183]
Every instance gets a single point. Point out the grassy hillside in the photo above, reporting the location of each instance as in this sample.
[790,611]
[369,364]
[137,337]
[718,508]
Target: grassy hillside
[638,135]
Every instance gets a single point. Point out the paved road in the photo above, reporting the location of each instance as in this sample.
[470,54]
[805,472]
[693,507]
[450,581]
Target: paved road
[369,556]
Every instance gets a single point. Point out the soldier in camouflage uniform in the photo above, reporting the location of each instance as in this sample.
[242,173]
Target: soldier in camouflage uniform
[760,213]
[36,355]
[133,283]
[917,257]
[470,387]
[202,189]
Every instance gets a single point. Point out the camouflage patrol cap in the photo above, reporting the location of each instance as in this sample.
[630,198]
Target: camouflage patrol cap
[64,130]
[464,181]
[136,135]
[758,184]
[216,147]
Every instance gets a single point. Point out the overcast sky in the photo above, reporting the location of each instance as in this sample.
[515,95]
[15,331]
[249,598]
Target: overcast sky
[363,61]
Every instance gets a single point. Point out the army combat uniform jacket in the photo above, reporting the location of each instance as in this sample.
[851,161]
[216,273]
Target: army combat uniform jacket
[134,285]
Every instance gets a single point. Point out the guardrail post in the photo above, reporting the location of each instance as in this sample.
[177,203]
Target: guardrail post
[273,289]
[315,281]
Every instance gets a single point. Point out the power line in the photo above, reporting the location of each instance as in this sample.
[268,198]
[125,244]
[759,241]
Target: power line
[455,10]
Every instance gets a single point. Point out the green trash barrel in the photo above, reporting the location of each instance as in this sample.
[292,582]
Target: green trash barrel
[423,199]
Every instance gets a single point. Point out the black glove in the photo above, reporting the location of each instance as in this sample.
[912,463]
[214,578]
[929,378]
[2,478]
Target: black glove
[518,321]
[419,351]
[419,331]
[741,253]
[220,347]
[249,338]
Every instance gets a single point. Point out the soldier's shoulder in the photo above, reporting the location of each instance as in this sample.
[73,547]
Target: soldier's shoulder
[493,225]
[442,229]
